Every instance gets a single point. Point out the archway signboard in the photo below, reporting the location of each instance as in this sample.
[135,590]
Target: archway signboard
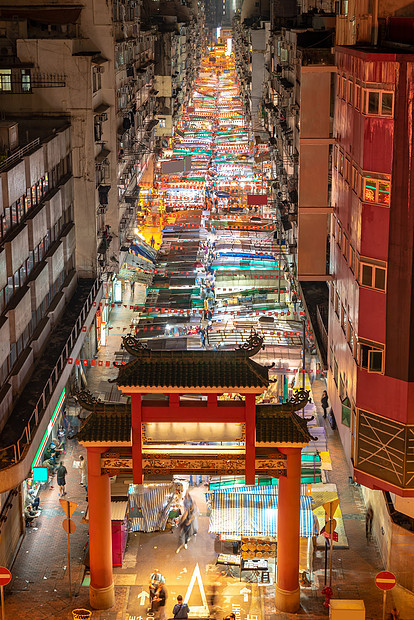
[114,462]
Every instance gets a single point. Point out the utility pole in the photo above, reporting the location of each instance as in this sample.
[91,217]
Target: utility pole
[303,352]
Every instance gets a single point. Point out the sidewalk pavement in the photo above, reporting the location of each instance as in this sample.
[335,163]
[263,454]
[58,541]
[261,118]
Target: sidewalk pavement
[39,588]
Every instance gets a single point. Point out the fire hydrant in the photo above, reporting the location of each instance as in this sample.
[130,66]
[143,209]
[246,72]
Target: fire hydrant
[327,591]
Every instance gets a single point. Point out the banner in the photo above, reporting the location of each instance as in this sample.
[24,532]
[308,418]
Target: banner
[257,199]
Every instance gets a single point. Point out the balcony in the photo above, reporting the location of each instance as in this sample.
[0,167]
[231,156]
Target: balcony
[28,415]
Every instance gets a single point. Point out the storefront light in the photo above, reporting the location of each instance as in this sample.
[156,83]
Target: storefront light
[53,419]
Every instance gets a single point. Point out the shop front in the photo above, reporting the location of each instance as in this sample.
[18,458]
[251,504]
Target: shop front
[245,522]
[53,440]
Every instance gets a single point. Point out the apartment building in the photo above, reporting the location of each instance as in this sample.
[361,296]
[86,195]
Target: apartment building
[370,315]
[178,53]
[46,312]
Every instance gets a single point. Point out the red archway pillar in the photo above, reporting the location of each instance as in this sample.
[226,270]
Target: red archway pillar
[250,417]
[136,432]
[101,589]
[288,535]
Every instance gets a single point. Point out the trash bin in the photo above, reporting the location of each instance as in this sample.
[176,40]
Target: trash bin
[81,614]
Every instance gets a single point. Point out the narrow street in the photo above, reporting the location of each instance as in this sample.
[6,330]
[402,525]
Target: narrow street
[221,272]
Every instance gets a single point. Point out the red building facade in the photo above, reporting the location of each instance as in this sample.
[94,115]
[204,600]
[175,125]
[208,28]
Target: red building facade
[371,369]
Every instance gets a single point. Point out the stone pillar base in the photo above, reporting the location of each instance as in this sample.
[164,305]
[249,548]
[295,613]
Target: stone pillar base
[287,601]
[102,598]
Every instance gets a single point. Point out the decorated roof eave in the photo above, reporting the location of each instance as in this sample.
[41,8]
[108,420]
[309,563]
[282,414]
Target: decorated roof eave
[89,402]
[105,444]
[280,444]
[166,389]
[295,403]
[249,348]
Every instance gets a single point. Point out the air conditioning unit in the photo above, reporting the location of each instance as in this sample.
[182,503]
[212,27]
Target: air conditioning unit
[103,117]
[100,69]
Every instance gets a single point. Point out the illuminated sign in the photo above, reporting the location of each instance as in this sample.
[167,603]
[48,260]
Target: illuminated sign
[56,412]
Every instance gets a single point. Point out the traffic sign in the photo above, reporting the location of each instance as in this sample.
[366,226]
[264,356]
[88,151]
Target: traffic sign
[5,576]
[385,580]
[69,526]
[68,507]
[330,526]
[330,507]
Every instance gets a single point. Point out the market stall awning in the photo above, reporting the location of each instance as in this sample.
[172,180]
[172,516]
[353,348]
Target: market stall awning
[253,514]
[265,489]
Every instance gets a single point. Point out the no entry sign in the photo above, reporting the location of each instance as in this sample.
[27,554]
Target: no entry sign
[385,580]
[5,576]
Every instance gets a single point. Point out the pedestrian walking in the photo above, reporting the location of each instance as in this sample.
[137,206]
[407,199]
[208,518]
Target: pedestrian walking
[185,527]
[194,511]
[181,609]
[132,288]
[158,602]
[61,478]
[155,580]
[325,403]
[369,516]
[83,470]
[294,301]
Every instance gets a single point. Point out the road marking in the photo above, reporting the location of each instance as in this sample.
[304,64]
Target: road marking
[202,610]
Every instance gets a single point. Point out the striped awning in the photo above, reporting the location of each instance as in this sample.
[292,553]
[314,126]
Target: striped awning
[149,507]
[268,489]
[254,514]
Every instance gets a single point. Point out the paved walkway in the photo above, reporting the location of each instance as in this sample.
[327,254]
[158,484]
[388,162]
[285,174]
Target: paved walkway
[39,589]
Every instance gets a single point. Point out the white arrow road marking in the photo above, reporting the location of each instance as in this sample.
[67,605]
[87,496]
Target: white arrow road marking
[245,593]
[142,596]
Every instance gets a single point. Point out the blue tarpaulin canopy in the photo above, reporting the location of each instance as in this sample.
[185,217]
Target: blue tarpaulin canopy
[253,514]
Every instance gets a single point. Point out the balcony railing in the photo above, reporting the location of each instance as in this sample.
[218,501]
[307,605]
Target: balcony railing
[15,157]
[15,452]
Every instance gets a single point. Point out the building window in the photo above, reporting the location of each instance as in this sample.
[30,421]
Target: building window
[344,319]
[341,163]
[357,96]
[26,86]
[350,91]
[338,85]
[96,78]
[345,246]
[356,181]
[347,174]
[371,356]
[350,337]
[5,80]
[351,260]
[372,275]
[346,411]
[378,103]
[377,191]
[339,234]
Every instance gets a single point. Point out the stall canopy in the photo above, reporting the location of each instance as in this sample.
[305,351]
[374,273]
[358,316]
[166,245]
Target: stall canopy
[149,507]
[254,514]
[268,489]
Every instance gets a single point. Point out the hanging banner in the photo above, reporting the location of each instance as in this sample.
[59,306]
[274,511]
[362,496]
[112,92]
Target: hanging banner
[257,199]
